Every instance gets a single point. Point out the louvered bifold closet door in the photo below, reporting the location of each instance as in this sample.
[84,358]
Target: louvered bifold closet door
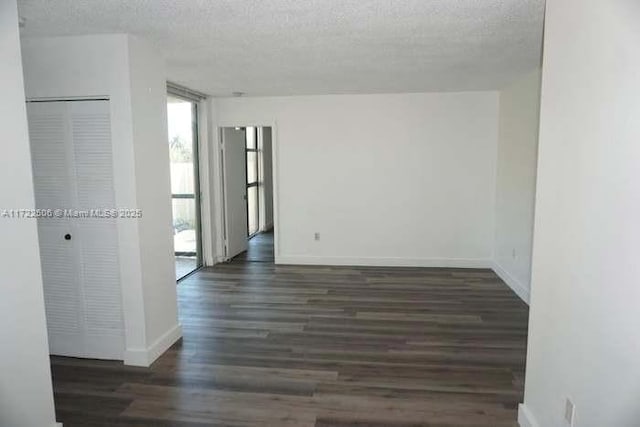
[97,237]
[89,283]
[53,177]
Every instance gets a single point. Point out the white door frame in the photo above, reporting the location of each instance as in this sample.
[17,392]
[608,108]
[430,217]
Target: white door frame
[220,208]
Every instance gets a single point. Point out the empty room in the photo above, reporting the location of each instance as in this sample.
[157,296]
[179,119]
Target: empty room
[340,213]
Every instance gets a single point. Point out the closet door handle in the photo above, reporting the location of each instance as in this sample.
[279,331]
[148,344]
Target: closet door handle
[67,236]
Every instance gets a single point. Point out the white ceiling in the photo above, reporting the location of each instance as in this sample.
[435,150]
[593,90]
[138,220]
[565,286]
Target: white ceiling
[290,47]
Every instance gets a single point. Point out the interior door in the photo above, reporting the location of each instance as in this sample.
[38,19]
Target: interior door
[52,165]
[96,239]
[235,190]
[73,170]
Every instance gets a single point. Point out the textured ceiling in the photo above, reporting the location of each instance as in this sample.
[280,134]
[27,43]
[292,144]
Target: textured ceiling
[288,47]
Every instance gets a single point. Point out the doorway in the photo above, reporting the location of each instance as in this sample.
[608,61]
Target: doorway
[248,193]
[182,121]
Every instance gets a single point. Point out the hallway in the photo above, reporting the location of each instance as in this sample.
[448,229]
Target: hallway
[260,249]
[319,346]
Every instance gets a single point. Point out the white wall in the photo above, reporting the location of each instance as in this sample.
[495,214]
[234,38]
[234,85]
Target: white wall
[205,146]
[516,181]
[403,179]
[153,190]
[584,339]
[26,396]
[214,209]
[130,73]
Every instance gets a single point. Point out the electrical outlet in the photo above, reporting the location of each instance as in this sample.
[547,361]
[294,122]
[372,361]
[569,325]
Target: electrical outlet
[316,236]
[569,412]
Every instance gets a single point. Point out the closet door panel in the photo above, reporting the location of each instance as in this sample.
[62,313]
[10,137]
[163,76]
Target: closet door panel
[53,176]
[97,237]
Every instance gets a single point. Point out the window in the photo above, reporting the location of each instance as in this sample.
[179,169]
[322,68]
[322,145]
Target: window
[183,154]
[253,222]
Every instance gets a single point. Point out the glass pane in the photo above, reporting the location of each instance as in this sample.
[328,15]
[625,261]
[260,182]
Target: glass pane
[252,166]
[180,128]
[252,209]
[251,137]
[184,226]
[182,178]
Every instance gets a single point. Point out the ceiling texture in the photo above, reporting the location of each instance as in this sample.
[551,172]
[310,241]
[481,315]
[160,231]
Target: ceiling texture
[299,47]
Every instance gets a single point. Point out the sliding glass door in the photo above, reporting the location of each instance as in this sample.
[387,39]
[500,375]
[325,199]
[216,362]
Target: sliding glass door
[183,148]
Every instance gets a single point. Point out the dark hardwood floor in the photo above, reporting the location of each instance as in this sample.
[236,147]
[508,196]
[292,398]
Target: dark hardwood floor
[268,345]
[260,249]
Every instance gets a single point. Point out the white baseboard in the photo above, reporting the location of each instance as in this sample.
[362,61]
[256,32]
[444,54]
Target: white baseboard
[517,286]
[57,425]
[525,417]
[145,357]
[385,262]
